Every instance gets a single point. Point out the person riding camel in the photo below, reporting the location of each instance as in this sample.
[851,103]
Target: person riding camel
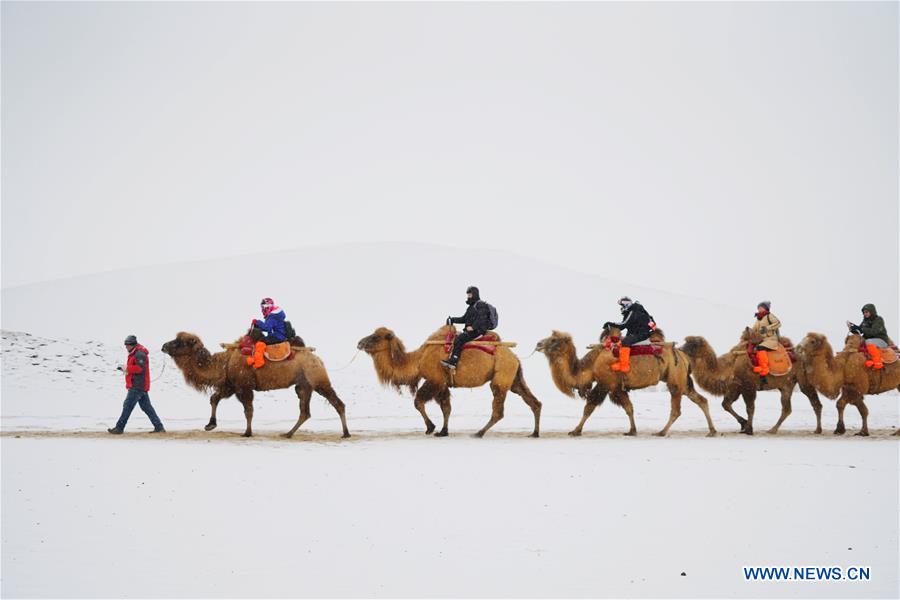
[767,325]
[477,321]
[266,332]
[639,324]
[874,333]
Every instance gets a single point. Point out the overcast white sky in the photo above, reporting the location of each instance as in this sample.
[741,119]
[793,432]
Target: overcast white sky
[734,151]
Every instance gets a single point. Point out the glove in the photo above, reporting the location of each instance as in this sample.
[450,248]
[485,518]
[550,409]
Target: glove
[607,325]
[855,329]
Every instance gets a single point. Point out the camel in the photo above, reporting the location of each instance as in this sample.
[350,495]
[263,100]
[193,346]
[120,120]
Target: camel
[845,374]
[227,373]
[571,374]
[731,375]
[397,367]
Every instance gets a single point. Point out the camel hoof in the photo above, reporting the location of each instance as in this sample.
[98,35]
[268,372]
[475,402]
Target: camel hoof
[660,434]
[287,435]
[346,435]
[839,431]
[210,426]
[575,433]
[478,434]
[248,434]
[712,434]
[442,433]
[818,431]
[630,433]
[747,431]
[772,431]
[535,435]
[429,429]
[863,434]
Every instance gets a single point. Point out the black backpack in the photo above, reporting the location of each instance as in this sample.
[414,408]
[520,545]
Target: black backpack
[493,312]
[289,332]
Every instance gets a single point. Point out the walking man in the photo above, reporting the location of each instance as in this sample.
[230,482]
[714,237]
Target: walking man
[137,382]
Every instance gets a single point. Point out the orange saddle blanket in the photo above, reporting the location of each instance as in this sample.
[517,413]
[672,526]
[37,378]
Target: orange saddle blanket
[779,360]
[278,352]
[888,355]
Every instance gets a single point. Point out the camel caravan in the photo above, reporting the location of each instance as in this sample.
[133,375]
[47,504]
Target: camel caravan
[271,356]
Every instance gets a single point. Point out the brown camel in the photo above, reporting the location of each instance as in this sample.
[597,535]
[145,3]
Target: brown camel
[845,374]
[227,373]
[397,367]
[571,374]
[731,375]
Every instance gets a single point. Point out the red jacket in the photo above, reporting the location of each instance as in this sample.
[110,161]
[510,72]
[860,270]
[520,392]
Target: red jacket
[137,371]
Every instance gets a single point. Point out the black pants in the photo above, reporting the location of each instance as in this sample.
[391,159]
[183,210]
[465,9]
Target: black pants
[632,339]
[463,338]
[257,335]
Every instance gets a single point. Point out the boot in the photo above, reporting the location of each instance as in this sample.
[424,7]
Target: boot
[762,356]
[450,363]
[624,364]
[258,359]
[874,357]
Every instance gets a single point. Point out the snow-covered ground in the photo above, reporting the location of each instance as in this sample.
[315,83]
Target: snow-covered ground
[390,511]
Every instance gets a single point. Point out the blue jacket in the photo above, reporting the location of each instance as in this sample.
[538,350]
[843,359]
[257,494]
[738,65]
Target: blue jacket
[273,326]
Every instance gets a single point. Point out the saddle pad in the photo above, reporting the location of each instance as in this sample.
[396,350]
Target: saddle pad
[278,352]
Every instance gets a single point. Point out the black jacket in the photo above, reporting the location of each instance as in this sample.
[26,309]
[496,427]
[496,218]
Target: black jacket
[478,316]
[636,321]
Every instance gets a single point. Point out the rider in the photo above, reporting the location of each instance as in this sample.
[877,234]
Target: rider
[639,324]
[266,332]
[767,325]
[477,320]
[874,332]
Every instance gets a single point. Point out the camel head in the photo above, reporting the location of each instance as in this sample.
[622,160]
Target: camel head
[379,341]
[555,344]
[609,332]
[184,344]
[853,341]
[694,345]
[813,344]
[748,336]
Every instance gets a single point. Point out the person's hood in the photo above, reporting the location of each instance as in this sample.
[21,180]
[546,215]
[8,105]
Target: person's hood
[476,296]
[871,309]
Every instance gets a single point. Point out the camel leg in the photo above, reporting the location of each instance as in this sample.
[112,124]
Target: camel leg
[443,398]
[698,399]
[325,390]
[621,398]
[674,412]
[214,405]
[595,398]
[730,398]
[841,405]
[786,410]
[496,409]
[423,395]
[304,393]
[246,398]
[810,392]
[520,388]
[750,404]
[859,402]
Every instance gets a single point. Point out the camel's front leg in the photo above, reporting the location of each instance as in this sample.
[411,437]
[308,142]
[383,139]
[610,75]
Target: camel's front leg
[595,398]
[816,404]
[304,393]
[214,405]
[425,393]
[496,409]
[750,404]
[786,410]
[621,398]
[674,413]
[841,405]
[246,399]
[703,403]
[731,396]
[443,398]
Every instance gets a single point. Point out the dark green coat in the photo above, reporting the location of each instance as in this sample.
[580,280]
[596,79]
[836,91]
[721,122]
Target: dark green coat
[873,327]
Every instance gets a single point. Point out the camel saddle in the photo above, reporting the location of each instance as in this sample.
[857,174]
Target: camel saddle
[490,336]
[641,350]
[888,355]
[279,352]
[780,361]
